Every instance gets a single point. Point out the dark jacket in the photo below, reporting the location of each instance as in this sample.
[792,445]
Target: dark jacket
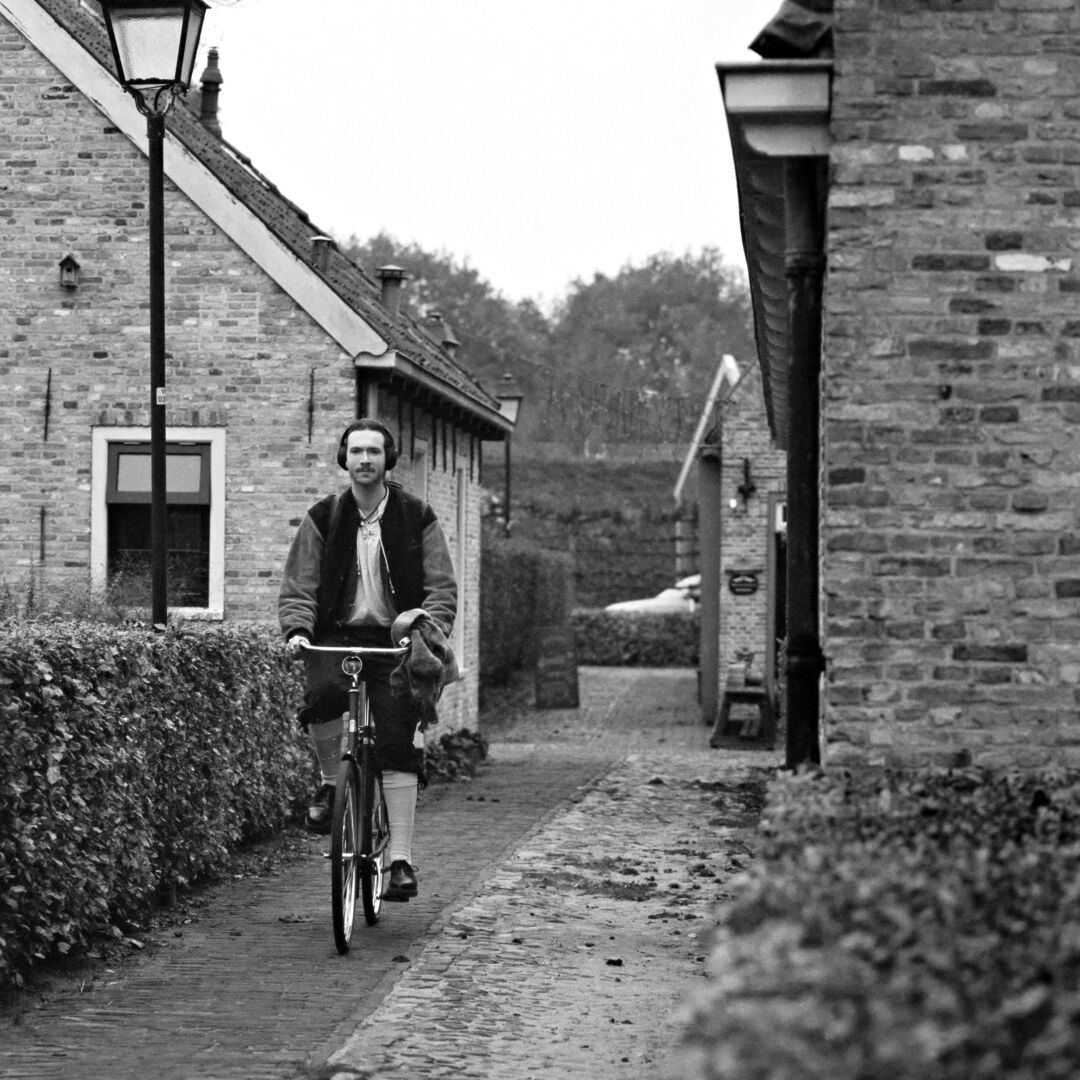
[319,580]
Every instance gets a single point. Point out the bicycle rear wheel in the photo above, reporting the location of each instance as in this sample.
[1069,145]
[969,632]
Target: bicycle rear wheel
[374,838]
[345,853]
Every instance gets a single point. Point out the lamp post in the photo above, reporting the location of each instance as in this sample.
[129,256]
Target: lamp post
[509,397]
[154,43]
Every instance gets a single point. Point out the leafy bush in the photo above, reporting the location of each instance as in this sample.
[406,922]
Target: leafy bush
[905,926]
[455,755]
[616,638]
[26,597]
[522,588]
[130,762]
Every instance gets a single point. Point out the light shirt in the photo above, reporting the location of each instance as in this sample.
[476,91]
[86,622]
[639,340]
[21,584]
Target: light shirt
[370,605]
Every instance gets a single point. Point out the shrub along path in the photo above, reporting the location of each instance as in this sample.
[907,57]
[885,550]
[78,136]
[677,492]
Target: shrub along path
[565,895]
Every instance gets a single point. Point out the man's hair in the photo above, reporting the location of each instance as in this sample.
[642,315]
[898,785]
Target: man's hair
[368,424]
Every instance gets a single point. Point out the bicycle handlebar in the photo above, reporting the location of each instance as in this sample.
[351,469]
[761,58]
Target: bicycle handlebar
[358,650]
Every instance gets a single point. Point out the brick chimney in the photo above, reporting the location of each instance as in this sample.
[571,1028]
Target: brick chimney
[392,279]
[211,81]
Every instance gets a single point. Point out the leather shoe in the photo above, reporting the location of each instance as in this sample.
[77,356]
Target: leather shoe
[402,881]
[320,811]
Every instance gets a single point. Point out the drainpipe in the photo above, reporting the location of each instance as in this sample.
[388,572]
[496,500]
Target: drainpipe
[804,267]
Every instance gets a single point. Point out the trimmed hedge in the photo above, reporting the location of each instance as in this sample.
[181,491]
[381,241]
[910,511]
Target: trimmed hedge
[908,927]
[616,638]
[130,763]
[522,587]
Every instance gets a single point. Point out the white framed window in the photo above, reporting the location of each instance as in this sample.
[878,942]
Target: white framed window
[195,516]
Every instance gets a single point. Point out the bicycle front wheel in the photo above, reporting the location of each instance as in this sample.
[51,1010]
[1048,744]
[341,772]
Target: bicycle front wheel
[345,853]
[374,838]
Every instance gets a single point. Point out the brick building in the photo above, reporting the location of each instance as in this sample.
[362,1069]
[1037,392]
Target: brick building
[740,494]
[909,179]
[752,532]
[275,341]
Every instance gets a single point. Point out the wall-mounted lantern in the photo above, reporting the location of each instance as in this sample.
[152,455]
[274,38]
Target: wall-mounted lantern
[69,272]
[745,489]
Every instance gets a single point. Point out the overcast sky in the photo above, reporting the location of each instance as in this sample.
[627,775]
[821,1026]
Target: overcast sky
[538,142]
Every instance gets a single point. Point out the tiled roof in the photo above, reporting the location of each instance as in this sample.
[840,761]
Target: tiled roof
[292,226]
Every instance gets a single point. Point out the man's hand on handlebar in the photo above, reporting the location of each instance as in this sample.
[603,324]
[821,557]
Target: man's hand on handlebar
[296,644]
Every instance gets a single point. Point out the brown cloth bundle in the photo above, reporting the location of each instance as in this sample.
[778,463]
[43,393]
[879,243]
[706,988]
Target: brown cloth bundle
[429,665]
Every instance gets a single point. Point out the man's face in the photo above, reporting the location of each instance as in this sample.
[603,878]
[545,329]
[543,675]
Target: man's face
[365,457]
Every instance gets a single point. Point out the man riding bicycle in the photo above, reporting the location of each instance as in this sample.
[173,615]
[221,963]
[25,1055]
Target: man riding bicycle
[366,559]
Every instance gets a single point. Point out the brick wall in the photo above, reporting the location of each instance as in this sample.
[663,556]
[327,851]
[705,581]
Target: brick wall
[241,357]
[951,396]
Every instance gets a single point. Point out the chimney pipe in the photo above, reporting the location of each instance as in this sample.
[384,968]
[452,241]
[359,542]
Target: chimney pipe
[321,247]
[211,81]
[392,279]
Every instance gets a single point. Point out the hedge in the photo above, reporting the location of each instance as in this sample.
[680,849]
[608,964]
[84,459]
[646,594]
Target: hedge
[522,588]
[617,638]
[130,764]
[904,927]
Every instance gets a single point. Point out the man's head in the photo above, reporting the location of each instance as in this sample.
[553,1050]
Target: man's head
[367,424]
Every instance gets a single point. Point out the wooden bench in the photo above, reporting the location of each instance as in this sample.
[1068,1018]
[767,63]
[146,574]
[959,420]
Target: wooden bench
[762,723]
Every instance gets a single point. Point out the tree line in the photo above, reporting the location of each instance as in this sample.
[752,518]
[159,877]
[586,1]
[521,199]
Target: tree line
[619,359]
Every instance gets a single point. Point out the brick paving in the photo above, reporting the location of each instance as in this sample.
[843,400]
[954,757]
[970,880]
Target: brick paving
[566,897]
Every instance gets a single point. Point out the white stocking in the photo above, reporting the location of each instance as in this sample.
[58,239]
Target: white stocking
[326,738]
[399,788]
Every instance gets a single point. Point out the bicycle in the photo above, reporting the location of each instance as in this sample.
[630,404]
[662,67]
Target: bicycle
[360,829]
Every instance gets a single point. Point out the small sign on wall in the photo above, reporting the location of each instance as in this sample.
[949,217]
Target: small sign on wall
[743,582]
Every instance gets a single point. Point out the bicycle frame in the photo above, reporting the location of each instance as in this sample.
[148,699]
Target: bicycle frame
[360,832]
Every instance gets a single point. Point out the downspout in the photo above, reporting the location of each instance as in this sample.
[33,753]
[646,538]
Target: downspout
[804,268]
[710,535]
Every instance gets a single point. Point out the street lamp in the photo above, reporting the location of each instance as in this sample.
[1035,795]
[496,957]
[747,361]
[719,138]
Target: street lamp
[509,397]
[154,44]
